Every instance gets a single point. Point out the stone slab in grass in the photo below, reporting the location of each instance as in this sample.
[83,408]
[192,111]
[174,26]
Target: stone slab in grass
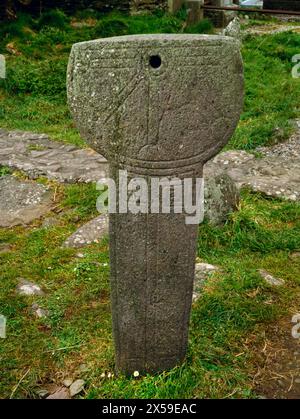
[37,156]
[22,202]
[91,232]
[273,175]
[25,287]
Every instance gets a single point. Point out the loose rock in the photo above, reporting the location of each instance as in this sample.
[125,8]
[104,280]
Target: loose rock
[202,272]
[62,393]
[91,232]
[270,279]
[221,197]
[39,312]
[25,287]
[67,382]
[77,387]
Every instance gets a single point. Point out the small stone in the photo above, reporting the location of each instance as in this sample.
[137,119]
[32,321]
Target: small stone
[67,382]
[62,393]
[50,222]
[190,101]
[39,312]
[94,230]
[202,272]
[76,387]
[233,29]
[297,380]
[29,288]
[221,196]
[271,280]
[42,393]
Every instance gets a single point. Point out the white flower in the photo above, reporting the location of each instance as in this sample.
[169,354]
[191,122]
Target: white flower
[136,374]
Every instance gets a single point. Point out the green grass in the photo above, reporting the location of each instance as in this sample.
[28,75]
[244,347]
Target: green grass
[236,306]
[271,94]
[33,96]
[262,234]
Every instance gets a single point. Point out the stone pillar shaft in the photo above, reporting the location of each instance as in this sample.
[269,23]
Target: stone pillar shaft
[155,106]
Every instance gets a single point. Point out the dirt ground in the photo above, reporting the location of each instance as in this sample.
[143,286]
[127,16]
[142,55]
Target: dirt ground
[278,372]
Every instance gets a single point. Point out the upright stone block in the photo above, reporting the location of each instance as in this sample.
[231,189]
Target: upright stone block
[156,106]
[195,11]
[175,5]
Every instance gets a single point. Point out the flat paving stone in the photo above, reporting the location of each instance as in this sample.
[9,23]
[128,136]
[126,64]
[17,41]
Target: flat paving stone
[22,202]
[91,232]
[37,155]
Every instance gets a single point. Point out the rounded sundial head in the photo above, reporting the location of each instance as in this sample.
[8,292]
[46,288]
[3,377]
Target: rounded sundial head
[156,102]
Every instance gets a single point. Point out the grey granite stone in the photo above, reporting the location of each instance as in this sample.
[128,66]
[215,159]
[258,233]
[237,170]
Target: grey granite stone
[221,197]
[61,393]
[38,156]
[270,279]
[25,287]
[21,202]
[157,106]
[202,273]
[275,174]
[91,232]
[39,312]
[76,387]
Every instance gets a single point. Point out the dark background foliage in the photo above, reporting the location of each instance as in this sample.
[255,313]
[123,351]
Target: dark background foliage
[10,8]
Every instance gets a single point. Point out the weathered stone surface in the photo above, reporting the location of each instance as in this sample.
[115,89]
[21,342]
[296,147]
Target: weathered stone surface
[21,202]
[202,273]
[25,287]
[67,382]
[233,29]
[91,232]
[273,175]
[221,197]
[157,106]
[270,279]
[39,312]
[61,393]
[76,387]
[38,156]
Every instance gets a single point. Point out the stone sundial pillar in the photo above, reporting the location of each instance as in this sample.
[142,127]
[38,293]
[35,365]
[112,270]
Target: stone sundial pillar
[155,106]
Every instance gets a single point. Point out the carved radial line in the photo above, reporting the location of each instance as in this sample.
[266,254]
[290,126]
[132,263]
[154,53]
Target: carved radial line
[116,288]
[156,278]
[146,287]
[126,92]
